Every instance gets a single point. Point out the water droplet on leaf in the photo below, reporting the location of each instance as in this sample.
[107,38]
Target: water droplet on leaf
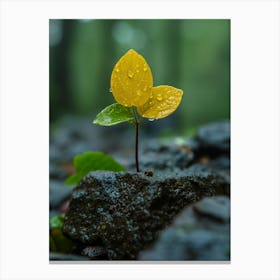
[138,93]
[130,74]
[117,70]
[159,97]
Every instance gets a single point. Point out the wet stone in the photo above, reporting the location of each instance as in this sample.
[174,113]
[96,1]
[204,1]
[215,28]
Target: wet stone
[57,171]
[94,252]
[214,138]
[165,156]
[219,166]
[66,257]
[73,136]
[125,211]
[200,232]
[214,207]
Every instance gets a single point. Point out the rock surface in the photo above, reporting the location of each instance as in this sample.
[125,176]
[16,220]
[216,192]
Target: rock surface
[214,138]
[219,166]
[144,205]
[66,257]
[167,156]
[125,211]
[200,232]
[94,252]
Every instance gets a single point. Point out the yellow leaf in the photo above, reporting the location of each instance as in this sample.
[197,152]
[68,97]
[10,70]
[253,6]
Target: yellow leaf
[131,80]
[163,101]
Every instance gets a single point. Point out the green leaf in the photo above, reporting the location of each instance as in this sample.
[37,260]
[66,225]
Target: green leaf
[59,242]
[114,114]
[57,221]
[52,244]
[91,161]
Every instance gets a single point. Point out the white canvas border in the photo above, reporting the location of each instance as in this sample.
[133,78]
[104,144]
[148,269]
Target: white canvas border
[255,138]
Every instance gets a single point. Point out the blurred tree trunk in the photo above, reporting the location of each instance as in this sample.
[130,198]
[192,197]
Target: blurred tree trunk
[108,47]
[60,93]
[91,57]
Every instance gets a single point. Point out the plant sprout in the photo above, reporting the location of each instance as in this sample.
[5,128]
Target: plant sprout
[132,88]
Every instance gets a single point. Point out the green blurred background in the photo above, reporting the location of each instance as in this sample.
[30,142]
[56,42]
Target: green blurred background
[193,55]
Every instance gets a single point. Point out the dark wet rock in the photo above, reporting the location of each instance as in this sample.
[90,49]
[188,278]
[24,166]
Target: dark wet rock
[125,211]
[212,165]
[214,138]
[66,257]
[94,252]
[219,166]
[200,232]
[169,156]
[57,171]
[221,163]
[73,136]
[59,192]
[214,208]
[193,145]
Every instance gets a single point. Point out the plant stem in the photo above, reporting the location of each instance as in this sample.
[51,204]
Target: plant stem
[136,140]
[136,146]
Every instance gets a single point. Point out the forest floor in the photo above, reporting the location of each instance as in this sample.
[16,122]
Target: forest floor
[177,208]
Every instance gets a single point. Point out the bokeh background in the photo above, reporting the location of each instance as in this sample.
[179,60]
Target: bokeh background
[193,55]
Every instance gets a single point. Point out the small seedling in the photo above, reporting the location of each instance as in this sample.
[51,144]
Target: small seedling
[132,88]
